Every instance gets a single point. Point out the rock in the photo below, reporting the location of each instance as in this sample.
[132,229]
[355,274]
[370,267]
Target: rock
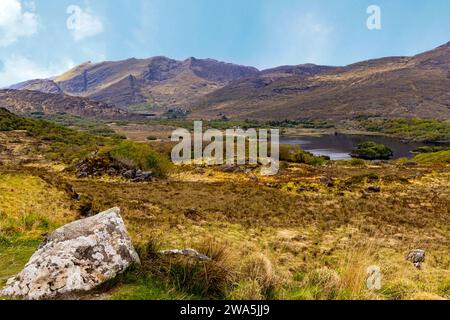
[374,189]
[142,176]
[111,172]
[253,178]
[227,168]
[416,175]
[186,252]
[325,180]
[129,174]
[416,257]
[75,258]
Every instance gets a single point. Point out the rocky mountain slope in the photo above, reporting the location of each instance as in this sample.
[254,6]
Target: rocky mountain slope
[391,87]
[158,80]
[416,86]
[25,102]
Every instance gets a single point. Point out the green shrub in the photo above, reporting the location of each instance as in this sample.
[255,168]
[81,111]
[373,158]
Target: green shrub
[355,162]
[293,153]
[430,149]
[65,144]
[141,156]
[372,151]
[414,129]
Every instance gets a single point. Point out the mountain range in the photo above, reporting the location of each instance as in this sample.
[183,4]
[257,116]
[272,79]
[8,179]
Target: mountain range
[415,86]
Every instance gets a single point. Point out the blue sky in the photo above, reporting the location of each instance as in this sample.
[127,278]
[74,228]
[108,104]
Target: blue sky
[36,39]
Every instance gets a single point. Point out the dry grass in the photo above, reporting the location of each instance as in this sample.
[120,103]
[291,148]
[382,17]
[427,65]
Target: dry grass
[30,207]
[308,233]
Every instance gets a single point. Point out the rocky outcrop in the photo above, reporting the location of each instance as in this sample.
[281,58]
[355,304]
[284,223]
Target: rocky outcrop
[97,166]
[76,258]
[42,85]
[25,102]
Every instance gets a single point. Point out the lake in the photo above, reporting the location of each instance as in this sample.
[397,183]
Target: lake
[339,147]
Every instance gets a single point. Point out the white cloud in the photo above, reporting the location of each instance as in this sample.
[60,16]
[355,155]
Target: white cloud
[83,23]
[16,22]
[18,68]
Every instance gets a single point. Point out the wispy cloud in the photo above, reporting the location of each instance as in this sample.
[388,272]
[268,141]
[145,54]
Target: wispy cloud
[17,68]
[83,23]
[16,21]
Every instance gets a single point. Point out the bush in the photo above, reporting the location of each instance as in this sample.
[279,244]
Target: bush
[430,149]
[372,151]
[357,162]
[140,156]
[293,153]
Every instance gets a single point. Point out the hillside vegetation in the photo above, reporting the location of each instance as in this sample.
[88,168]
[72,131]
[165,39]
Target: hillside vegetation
[427,130]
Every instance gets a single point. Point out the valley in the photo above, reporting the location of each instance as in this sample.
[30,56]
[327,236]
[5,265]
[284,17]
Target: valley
[99,136]
[309,232]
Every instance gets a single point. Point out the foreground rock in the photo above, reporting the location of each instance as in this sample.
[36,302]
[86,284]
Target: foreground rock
[75,258]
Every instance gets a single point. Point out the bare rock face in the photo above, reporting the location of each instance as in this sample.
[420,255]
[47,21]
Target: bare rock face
[75,258]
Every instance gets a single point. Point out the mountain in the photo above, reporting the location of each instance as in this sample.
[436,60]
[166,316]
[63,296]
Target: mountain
[24,102]
[42,85]
[158,80]
[416,86]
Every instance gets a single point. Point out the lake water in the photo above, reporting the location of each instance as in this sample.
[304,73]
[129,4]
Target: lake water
[339,147]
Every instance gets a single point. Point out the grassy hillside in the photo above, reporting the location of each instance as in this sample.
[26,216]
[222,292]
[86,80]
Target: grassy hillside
[427,130]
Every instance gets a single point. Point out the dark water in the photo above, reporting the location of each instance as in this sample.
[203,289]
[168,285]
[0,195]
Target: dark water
[339,147]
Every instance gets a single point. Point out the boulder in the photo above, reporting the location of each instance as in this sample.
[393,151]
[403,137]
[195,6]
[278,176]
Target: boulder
[416,257]
[75,258]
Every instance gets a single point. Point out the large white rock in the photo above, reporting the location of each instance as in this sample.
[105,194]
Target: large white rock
[76,257]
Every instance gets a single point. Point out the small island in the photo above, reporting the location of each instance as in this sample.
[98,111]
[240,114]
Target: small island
[372,151]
